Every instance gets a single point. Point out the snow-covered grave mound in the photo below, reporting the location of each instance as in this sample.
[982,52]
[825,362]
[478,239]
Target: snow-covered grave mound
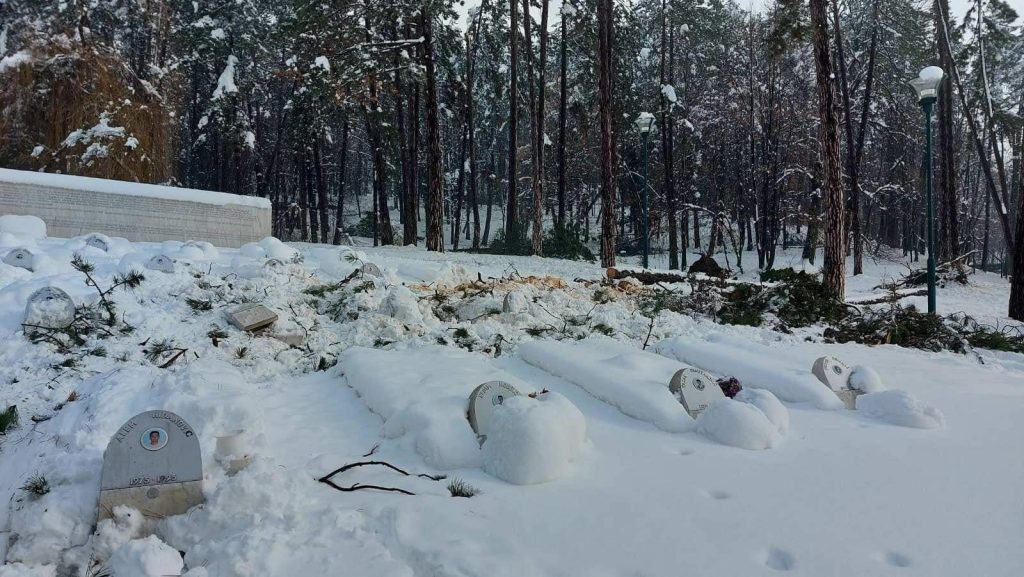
[754,365]
[423,394]
[637,383]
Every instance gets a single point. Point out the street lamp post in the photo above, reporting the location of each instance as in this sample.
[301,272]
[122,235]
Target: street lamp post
[927,87]
[644,121]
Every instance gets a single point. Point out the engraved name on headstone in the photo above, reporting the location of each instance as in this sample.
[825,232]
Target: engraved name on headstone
[835,374]
[484,399]
[153,464]
[48,308]
[695,389]
[251,317]
[21,258]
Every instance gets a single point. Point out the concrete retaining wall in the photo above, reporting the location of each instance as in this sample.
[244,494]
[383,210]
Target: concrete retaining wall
[73,205]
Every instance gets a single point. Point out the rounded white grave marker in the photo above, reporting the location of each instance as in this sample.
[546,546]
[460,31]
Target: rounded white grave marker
[695,389]
[50,308]
[21,258]
[371,269]
[484,399]
[96,241]
[161,262]
[832,372]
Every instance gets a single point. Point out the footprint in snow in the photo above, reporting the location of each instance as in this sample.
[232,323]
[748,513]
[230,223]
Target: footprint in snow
[686,452]
[780,560]
[718,495]
[897,559]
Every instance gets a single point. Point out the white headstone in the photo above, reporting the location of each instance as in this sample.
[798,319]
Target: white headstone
[50,308]
[251,317]
[484,399]
[96,241]
[371,269]
[161,262]
[695,389]
[275,264]
[515,302]
[835,374]
[21,258]
[153,464]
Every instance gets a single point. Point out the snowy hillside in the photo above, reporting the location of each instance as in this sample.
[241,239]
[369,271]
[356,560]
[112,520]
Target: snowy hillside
[605,474]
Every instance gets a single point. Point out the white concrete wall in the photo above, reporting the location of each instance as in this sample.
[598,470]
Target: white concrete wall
[72,206]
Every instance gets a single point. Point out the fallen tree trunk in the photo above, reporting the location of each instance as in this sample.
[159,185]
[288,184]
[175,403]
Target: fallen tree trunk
[645,277]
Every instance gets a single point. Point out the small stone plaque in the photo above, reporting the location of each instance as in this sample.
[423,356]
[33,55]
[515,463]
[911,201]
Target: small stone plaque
[835,374]
[162,263]
[371,269]
[49,308]
[695,389]
[21,258]
[153,464]
[251,317]
[484,399]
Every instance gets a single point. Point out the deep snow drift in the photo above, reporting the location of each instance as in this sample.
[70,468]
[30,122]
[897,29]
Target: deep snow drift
[605,475]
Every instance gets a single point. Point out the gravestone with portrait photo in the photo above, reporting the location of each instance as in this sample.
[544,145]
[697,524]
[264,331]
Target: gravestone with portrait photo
[482,402]
[152,464]
[370,269]
[21,258]
[835,374]
[695,389]
[49,308]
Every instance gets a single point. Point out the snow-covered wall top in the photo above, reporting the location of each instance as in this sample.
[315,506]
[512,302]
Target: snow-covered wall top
[72,206]
[129,188]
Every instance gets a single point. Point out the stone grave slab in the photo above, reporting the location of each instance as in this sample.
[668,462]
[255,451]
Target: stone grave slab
[161,263]
[695,389]
[21,258]
[50,308]
[153,464]
[251,317]
[835,374]
[371,269]
[484,399]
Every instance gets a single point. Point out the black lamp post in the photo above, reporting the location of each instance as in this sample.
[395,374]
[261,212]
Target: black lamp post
[927,87]
[644,121]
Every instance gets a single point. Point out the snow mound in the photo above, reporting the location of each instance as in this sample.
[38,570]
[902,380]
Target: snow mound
[737,424]
[112,534]
[533,441]
[252,250]
[401,304]
[276,249]
[864,378]
[24,227]
[756,366]
[633,381]
[900,408]
[22,570]
[422,395]
[149,557]
[769,405]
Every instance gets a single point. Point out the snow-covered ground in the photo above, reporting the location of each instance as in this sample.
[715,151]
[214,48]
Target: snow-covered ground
[603,476]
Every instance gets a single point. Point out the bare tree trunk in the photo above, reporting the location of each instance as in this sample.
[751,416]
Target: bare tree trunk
[321,185]
[339,221]
[511,212]
[948,234]
[435,198]
[668,140]
[1016,311]
[538,147]
[562,114]
[382,216]
[835,218]
[605,75]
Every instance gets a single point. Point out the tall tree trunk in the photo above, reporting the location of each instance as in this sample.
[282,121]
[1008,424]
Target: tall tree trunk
[835,218]
[1017,274]
[538,146]
[321,186]
[667,139]
[605,33]
[339,217]
[511,212]
[562,115]
[948,233]
[471,126]
[382,216]
[435,198]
